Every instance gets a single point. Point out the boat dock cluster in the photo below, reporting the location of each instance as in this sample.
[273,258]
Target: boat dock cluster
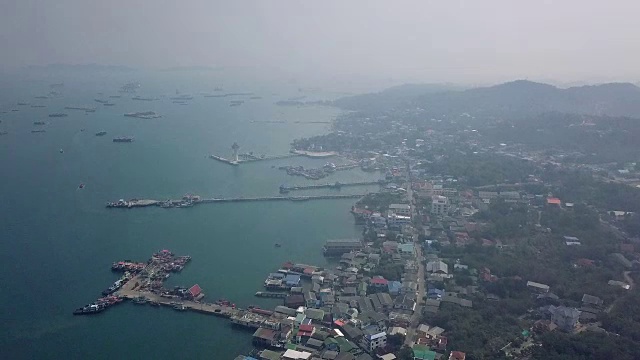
[191,200]
[317,173]
[147,276]
[143,283]
[337,185]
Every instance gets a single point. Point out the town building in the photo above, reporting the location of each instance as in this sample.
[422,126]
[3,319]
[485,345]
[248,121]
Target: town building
[374,340]
[566,318]
[400,209]
[537,286]
[440,205]
[438,267]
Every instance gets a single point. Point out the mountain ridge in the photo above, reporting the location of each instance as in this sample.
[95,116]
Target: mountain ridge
[514,99]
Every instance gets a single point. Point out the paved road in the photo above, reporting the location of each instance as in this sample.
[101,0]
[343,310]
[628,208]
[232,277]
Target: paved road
[417,314]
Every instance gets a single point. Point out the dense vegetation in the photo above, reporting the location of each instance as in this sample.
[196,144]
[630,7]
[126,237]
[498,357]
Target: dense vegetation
[585,346]
[480,332]
[596,139]
[482,169]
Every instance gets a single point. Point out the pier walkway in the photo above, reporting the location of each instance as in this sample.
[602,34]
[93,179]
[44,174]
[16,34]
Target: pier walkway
[181,203]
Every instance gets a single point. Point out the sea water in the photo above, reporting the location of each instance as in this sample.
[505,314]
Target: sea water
[57,241]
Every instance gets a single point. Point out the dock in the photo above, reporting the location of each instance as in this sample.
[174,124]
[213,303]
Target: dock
[128,292]
[136,203]
[243,158]
[337,185]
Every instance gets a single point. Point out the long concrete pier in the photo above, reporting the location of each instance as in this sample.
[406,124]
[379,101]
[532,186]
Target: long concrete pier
[336,185]
[135,203]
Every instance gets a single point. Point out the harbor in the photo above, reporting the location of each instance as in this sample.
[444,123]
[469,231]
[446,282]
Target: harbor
[192,200]
[143,283]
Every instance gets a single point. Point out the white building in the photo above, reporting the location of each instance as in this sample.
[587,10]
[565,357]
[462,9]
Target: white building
[372,342]
[400,209]
[440,205]
[398,220]
[438,267]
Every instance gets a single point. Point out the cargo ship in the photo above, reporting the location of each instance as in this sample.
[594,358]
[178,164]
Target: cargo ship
[113,288]
[58,115]
[90,309]
[39,123]
[101,133]
[83,108]
[123,139]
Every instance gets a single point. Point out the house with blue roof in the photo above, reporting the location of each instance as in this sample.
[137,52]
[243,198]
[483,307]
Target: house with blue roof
[434,293]
[394,287]
[292,280]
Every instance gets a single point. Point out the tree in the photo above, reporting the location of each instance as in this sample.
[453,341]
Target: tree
[395,341]
[405,353]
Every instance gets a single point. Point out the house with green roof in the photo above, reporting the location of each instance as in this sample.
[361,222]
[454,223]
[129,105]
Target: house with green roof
[422,352]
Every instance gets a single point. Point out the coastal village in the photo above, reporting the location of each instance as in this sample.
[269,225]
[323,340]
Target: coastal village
[395,292]
[470,249]
[382,298]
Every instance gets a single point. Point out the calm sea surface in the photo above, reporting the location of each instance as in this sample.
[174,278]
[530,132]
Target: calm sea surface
[57,241]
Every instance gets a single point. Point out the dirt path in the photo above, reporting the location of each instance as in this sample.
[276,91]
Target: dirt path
[628,279]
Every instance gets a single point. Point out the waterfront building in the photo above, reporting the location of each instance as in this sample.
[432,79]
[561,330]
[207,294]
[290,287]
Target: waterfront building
[339,247]
[292,280]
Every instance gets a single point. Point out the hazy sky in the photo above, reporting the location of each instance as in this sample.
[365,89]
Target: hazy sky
[446,40]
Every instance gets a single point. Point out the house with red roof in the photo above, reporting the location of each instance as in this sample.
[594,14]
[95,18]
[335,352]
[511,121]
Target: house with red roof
[585,262]
[552,201]
[379,283]
[457,355]
[195,290]
[306,330]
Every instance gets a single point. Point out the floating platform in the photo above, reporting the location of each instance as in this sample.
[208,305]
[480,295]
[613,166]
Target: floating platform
[270,294]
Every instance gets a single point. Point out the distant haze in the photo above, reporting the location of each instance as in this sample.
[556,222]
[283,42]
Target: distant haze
[422,40]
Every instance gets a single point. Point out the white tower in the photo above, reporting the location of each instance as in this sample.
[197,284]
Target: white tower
[235,148]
